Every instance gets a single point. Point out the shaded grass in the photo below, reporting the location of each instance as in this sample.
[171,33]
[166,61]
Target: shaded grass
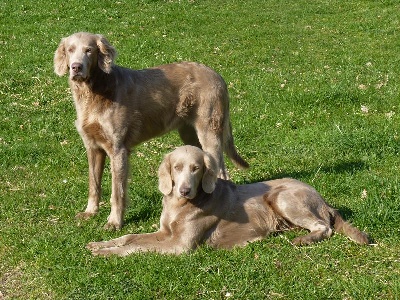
[314,95]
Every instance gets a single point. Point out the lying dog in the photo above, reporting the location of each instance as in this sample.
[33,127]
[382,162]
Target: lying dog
[199,208]
[119,108]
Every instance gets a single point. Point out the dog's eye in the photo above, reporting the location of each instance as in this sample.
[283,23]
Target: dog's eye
[88,50]
[195,168]
[178,168]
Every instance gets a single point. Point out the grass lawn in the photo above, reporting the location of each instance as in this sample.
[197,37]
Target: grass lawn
[314,91]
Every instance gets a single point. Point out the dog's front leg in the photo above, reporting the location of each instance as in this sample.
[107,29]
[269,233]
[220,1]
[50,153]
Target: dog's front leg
[119,174]
[161,242]
[96,158]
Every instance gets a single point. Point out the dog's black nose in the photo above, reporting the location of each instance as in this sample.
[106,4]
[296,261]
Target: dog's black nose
[76,67]
[184,191]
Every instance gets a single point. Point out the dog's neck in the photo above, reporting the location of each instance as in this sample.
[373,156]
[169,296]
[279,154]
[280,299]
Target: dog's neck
[201,198]
[98,84]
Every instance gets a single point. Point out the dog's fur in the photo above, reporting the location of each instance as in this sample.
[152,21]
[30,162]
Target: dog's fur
[199,208]
[118,108]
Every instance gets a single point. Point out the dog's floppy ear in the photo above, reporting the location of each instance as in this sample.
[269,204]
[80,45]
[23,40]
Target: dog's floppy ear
[60,59]
[164,176]
[107,54]
[210,174]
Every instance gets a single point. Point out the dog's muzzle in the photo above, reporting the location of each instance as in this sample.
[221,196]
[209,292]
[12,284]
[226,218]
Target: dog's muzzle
[76,72]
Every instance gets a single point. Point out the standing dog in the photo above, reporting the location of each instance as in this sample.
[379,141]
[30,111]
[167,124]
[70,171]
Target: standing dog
[199,208]
[118,108]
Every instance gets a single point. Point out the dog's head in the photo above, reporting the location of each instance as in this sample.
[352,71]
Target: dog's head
[80,53]
[184,170]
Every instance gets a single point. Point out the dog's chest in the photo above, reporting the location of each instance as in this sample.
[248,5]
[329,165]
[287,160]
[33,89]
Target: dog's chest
[96,128]
[92,133]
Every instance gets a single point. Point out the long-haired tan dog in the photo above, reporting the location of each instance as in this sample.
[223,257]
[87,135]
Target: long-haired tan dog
[118,108]
[199,208]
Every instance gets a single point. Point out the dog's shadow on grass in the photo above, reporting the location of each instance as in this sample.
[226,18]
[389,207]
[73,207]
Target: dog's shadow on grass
[350,167]
[147,207]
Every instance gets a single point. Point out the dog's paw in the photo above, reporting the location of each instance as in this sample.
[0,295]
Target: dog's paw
[84,215]
[93,246]
[99,252]
[301,241]
[96,248]
[112,226]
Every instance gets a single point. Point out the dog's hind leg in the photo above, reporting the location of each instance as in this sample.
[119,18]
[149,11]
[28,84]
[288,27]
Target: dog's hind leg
[211,144]
[309,218]
[303,207]
[319,231]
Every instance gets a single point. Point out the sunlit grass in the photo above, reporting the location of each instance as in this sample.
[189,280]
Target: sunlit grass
[314,95]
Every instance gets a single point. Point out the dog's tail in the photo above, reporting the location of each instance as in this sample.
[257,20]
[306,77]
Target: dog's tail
[230,148]
[343,227]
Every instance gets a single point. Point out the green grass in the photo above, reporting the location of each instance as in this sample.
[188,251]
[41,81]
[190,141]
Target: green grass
[314,91]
